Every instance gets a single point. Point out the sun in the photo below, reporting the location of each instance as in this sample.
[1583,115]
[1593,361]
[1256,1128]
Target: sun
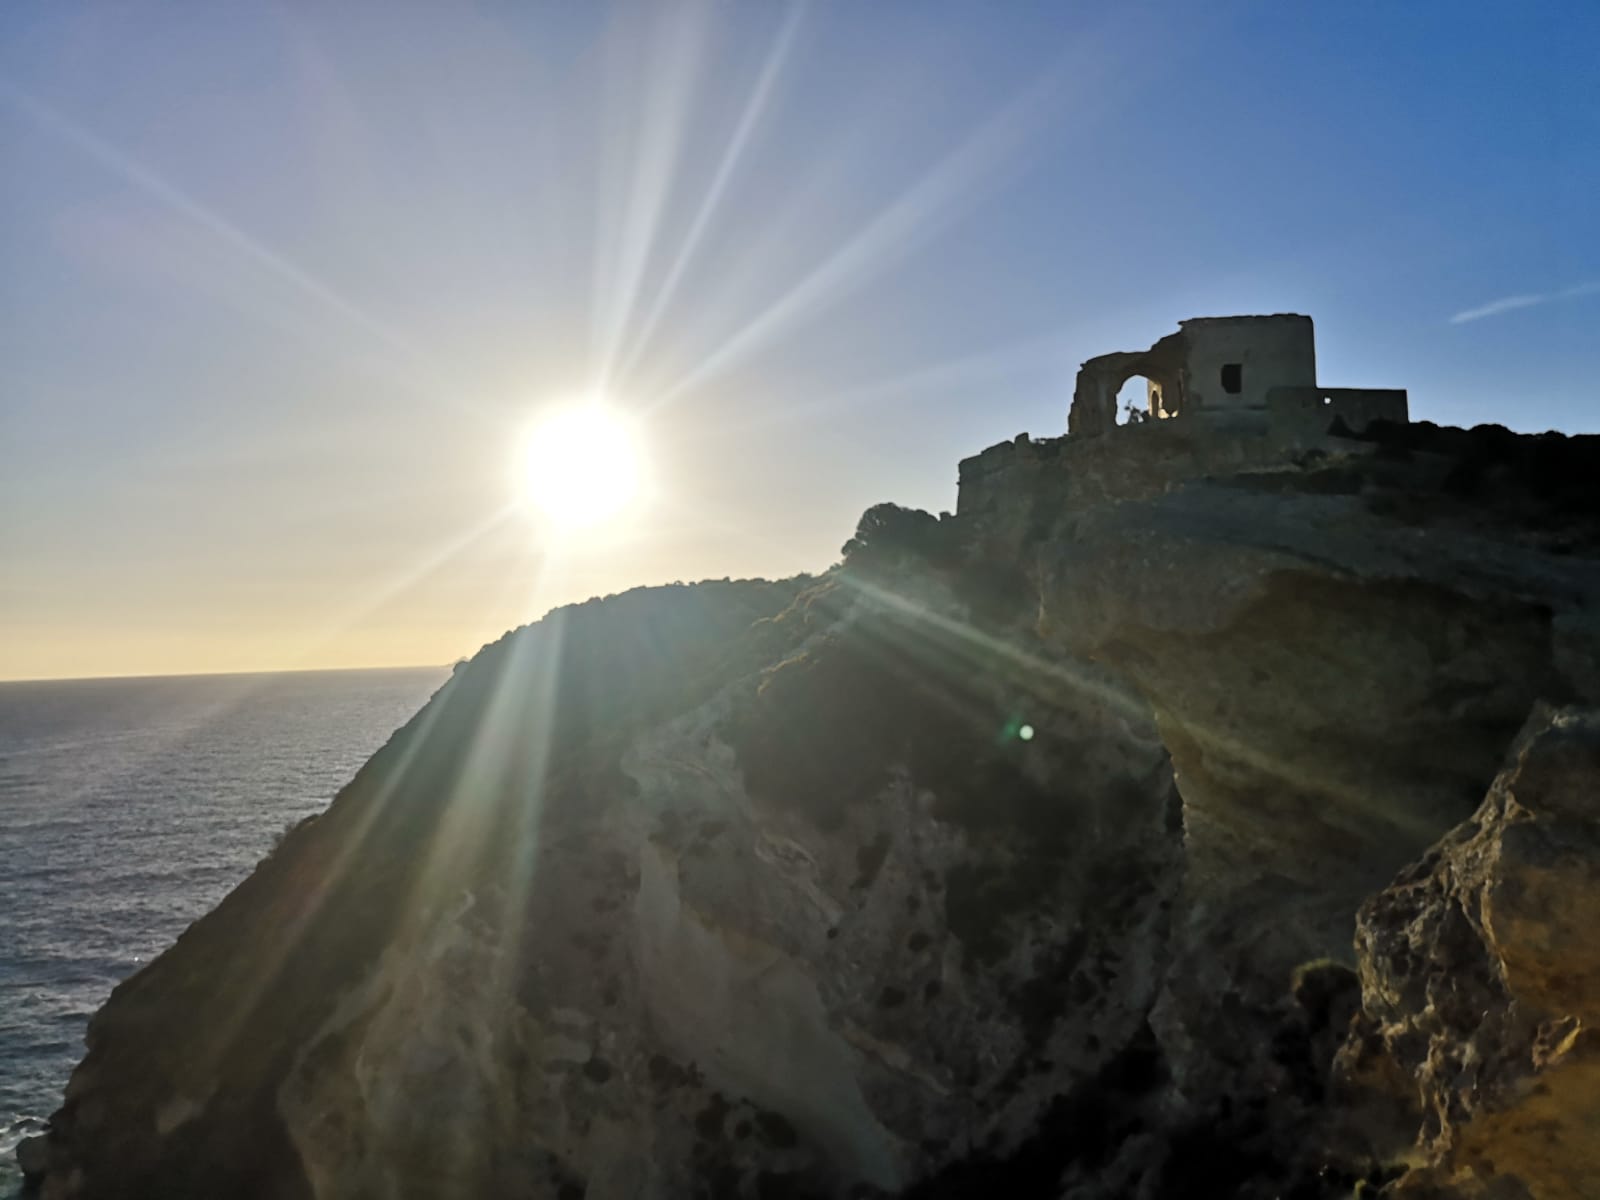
[581,466]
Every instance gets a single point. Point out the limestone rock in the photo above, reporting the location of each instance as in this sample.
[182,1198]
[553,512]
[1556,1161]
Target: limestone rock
[1480,973]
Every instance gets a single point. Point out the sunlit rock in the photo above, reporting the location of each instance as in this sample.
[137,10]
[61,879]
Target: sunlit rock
[1476,1052]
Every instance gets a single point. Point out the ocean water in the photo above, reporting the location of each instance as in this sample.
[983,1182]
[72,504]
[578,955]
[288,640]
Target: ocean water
[128,808]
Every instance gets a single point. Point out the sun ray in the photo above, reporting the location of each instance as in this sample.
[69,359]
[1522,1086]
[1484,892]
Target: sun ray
[364,815]
[943,192]
[504,770]
[179,201]
[652,165]
[749,119]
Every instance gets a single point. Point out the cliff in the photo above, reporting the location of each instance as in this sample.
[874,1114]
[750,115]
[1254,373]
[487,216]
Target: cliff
[1123,835]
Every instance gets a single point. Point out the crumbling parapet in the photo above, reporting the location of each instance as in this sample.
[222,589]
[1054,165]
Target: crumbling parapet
[984,477]
[1011,494]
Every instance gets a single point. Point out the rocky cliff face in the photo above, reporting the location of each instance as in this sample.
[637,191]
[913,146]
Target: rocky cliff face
[1021,855]
[1336,687]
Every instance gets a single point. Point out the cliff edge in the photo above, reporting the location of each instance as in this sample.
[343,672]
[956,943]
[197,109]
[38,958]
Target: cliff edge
[1124,834]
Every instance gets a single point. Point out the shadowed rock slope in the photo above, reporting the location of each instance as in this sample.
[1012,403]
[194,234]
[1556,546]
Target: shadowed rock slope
[1020,855]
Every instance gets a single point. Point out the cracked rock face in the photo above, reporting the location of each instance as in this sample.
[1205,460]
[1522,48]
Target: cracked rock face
[1476,1048]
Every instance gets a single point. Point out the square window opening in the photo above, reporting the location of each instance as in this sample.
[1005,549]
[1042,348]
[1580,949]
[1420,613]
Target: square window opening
[1233,378]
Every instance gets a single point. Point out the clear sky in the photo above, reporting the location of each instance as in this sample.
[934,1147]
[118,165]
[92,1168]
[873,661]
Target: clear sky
[284,283]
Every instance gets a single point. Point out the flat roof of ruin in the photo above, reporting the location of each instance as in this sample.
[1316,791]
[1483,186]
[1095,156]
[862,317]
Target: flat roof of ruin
[1242,318]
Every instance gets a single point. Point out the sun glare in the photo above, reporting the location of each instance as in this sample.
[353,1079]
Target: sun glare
[581,466]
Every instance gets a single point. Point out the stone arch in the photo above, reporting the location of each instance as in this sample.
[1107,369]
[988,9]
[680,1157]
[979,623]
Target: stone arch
[1094,397]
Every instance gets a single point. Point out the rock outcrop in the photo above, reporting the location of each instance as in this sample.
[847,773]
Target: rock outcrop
[1336,688]
[1476,1054]
[1019,855]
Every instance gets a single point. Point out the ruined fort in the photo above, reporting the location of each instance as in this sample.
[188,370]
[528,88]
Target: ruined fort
[1220,393]
[1241,373]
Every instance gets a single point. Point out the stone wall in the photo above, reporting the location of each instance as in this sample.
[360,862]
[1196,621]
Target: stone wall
[1270,352]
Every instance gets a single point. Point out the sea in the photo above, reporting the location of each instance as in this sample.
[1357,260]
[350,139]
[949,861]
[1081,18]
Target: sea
[129,808]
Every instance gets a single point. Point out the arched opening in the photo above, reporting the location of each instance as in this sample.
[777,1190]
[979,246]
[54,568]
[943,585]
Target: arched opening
[1145,398]
[1134,400]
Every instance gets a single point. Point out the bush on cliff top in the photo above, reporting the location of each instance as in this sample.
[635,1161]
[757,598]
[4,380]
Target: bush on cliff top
[887,533]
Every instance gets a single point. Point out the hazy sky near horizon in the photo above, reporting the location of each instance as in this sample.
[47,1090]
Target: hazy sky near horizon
[282,283]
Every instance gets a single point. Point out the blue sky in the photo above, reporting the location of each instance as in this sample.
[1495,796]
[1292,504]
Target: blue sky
[283,281]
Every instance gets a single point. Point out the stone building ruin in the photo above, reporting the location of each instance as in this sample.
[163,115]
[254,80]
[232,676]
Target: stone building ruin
[1242,372]
[1223,394]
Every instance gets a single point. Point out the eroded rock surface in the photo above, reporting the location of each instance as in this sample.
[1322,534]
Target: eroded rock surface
[1476,1051]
